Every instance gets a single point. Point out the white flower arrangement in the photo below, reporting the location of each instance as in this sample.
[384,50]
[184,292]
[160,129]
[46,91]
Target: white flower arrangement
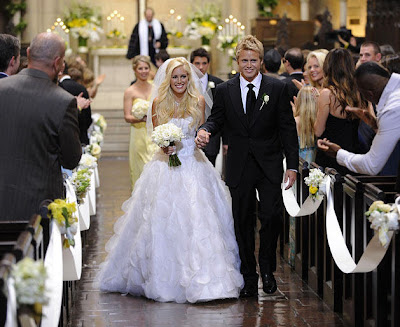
[316,182]
[383,218]
[100,122]
[166,135]
[265,98]
[94,149]
[87,161]
[80,180]
[140,107]
[96,137]
[30,277]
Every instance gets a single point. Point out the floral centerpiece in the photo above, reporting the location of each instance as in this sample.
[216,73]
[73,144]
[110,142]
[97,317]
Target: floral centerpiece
[228,43]
[203,23]
[29,282]
[139,108]
[383,217]
[316,183]
[64,215]
[99,123]
[166,135]
[81,181]
[115,34]
[84,23]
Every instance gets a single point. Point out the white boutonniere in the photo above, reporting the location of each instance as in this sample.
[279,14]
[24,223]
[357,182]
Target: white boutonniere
[265,98]
[211,85]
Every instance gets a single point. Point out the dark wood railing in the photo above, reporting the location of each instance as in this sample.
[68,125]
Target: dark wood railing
[362,299]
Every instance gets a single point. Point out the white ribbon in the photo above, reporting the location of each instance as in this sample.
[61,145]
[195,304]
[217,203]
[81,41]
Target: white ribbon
[92,195]
[54,281]
[84,214]
[96,176]
[372,255]
[11,320]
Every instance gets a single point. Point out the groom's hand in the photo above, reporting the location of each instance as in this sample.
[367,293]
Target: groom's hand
[202,138]
[291,176]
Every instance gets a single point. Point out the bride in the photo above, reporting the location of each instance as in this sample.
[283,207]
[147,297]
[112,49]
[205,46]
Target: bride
[176,240]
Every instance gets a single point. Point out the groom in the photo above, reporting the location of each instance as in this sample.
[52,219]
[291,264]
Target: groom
[255,112]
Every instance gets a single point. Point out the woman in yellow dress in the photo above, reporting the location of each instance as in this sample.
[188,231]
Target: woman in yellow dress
[136,102]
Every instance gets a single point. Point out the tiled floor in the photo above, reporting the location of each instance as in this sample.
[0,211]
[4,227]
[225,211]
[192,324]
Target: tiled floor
[293,305]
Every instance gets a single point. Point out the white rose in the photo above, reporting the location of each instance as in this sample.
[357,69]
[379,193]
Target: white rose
[211,84]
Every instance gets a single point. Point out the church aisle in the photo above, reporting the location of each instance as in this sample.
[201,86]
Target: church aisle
[293,305]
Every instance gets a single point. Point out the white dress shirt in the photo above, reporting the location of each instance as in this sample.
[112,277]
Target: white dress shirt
[385,140]
[244,89]
[204,82]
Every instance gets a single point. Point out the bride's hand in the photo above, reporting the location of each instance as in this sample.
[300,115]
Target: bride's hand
[144,119]
[169,150]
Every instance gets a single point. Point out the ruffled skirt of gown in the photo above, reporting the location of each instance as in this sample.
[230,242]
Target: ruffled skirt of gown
[176,240]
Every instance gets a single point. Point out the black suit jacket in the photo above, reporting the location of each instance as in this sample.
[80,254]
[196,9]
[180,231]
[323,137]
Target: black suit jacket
[85,116]
[38,133]
[134,44]
[271,133]
[292,89]
[212,148]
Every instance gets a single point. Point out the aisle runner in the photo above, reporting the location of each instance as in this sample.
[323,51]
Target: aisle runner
[374,252]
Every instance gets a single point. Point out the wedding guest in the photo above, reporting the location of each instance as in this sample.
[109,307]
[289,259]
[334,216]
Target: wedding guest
[9,55]
[176,240]
[201,58]
[272,63]
[370,51]
[340,91]
[39,131]
[255,111]
[148,37]
[315,64]
[84,115]
[293,61]
[161,57]
[141,148]
[382,89]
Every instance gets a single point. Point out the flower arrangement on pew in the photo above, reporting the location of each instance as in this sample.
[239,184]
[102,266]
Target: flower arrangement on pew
[87,161]
[316,183]
[383,218]
[64,215]
[29,282]
[139,109]
[96,137]
[93,149]
[99,123]
[80,179]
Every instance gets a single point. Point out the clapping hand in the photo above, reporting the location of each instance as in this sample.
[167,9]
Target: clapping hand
[328,147]
[82,103]
[202,138]
[366,115]
[298,84]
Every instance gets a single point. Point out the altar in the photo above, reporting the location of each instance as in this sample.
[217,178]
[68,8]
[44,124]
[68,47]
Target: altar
[119,74]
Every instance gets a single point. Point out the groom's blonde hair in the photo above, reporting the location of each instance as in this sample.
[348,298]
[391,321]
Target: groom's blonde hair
[250,42]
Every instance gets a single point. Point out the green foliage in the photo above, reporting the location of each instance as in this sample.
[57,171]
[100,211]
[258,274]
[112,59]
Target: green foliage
[263,4]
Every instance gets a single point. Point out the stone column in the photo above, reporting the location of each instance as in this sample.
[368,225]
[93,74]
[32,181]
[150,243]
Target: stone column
[305,9]
[343,12]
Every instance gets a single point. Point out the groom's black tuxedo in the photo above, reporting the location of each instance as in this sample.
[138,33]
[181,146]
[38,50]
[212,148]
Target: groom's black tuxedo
[254,161]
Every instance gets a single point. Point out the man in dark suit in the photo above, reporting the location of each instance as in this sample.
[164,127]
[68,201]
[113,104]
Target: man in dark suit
[148,37]
[256,114]
[85,115]
[39,131]
[293,61]
[9,55]
[201,59]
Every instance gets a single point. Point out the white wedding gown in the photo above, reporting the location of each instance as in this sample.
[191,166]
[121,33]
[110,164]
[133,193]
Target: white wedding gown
[176,240]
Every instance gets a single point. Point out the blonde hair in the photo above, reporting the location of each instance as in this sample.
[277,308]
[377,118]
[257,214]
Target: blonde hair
[320,56]
[306,109]
[165,102]
[140,58]
[250,42]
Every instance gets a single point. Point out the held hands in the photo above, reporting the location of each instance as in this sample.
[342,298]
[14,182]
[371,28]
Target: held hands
[202,138]
[328,147]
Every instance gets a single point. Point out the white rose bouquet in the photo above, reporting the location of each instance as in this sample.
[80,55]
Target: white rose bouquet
[166,135]
[139,109]
[316,183]
[383,218]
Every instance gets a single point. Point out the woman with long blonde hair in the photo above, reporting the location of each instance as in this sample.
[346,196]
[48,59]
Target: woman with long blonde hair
[305,114]
[176,241]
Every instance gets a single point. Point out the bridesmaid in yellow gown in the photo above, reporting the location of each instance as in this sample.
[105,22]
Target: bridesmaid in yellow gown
[141,148]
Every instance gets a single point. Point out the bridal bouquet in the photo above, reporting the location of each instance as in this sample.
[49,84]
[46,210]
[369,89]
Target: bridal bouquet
[63,214]
[166,135]
[316,183]
[383,217]
[139,109]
